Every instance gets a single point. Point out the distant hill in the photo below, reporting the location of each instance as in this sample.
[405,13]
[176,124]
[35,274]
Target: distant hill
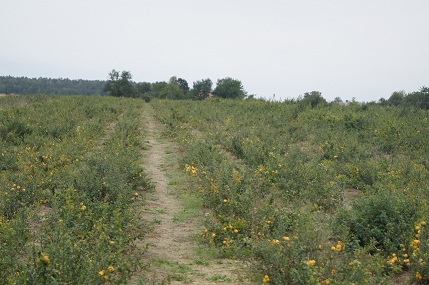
[41,85]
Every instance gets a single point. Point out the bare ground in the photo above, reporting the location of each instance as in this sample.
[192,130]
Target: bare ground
[173,254]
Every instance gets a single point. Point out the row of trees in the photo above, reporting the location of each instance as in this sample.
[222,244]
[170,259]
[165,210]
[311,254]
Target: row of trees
[64,86]
[418,99]
[120,84]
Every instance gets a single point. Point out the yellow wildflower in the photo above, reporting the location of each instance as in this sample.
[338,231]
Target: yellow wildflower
[46,259]
[419,275]
[311,262]
[266,279]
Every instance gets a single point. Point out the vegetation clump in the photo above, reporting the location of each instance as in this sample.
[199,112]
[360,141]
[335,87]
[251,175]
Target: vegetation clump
[68,178]
[311,192]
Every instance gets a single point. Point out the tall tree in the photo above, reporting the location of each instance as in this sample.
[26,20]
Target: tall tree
[397,98]
[419,99]
[202,88]
[312,99]
[230,88]
[144,87]
[172,90]
[120,85]
[183,84]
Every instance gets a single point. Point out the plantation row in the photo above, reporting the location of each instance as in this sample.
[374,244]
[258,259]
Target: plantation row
[326,195]
[69,177]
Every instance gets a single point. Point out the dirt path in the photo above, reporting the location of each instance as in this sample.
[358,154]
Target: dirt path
[173,254]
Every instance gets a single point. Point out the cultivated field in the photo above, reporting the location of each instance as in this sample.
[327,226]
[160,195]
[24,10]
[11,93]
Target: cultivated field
[221,191]
[69,178]
[329,195]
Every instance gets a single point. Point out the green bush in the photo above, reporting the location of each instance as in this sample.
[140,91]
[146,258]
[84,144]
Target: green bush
[383,220]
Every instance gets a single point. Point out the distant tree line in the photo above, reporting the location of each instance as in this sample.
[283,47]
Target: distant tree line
[120,85]
[51,86]
[418,99]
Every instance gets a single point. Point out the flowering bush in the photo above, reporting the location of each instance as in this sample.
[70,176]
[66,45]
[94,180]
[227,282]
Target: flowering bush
[68,177]
[353,178]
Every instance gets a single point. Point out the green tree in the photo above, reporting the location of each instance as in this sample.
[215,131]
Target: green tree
[144,87]
[120,85]
[312,99]
[172,90]
[338,100]
[202,88]
[230,88]
[397,98]
[183,84]
[419,99]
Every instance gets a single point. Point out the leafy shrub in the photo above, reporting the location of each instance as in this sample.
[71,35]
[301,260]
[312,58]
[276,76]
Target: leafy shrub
[382,220]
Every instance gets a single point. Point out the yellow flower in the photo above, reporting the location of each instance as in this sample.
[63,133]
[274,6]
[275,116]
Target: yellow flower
[338,247]
[286,238]
[101,273]
[213,235]
[111,242]
[393,260]
[46,259]
[266,279]
[419,276]
[311,262]
[235,231]
[110,269]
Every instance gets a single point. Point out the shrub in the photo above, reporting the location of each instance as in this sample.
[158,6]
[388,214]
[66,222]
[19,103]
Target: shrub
[384,220]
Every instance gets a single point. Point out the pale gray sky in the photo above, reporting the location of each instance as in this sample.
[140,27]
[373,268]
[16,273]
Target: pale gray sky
[365,49]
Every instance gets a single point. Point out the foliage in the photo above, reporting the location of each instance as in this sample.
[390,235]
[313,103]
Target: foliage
[69,178]
[397,98]
[418,99]
[380,220]
[119,85]
[52,86]
[229,88]
[202,88]
[312,99]
[321,194]
[183,84]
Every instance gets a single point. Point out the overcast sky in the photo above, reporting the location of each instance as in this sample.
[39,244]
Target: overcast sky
[365,49]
